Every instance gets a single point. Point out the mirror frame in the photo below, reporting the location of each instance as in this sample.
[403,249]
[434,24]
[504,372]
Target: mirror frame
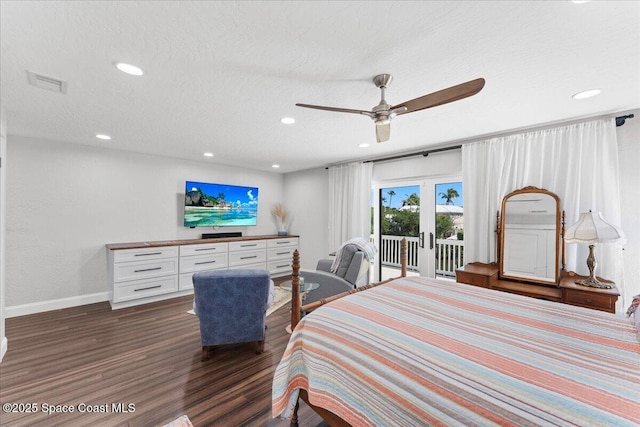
[559,236]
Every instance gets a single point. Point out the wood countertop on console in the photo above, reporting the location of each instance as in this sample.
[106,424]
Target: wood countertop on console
[157,243]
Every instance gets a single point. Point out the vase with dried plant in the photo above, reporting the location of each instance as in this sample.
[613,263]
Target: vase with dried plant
[282,219]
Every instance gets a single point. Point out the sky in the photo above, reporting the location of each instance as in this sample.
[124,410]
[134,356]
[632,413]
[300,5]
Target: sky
[402,193]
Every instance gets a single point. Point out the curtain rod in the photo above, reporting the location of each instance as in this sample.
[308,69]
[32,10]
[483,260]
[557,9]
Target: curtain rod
[620,120]
[424,153]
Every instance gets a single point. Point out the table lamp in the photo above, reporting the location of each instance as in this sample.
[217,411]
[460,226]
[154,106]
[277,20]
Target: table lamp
[591,228]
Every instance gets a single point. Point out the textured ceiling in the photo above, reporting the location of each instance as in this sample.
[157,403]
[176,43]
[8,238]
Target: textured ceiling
[220,75]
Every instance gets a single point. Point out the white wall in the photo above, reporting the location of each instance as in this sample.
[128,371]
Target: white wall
[66,201]
[3,204]
[629,162]
[307,198]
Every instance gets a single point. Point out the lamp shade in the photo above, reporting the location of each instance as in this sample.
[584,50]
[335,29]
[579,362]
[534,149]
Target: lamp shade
[592,228]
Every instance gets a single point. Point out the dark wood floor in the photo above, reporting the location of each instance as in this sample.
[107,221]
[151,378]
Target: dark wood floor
[147,356]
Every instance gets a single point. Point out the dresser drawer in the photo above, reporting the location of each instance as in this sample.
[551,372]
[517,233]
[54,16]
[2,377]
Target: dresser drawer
[207,248]
[247,257]
[590,300]
[279,266]
[252,266]
[281,253]
[140,254]
[277,243]
[186,280]
[144,269]
[203,262]
[247,245]
[144,288]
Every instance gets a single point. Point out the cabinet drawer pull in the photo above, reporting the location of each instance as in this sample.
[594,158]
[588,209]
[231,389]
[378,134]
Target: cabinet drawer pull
[145,289]
[248,246]
[147,269]
[249,257]
[205,262]
[282,243]
[205,249]
[149,253]
[282,266]
[283,253]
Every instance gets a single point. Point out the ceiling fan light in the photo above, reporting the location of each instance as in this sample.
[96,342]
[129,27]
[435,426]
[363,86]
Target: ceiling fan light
[287,120]
[383,130]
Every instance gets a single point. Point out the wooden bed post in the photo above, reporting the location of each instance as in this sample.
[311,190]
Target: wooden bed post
[295,314]
[295,290]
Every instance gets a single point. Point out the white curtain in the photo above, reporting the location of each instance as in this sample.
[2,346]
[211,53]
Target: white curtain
[349,202]
[577,162]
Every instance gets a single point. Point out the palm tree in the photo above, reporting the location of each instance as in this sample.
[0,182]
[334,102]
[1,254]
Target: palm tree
[391,193]
[449,196]
[412,200]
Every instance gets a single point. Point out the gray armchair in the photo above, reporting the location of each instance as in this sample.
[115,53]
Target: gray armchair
[352,272]
[231,306]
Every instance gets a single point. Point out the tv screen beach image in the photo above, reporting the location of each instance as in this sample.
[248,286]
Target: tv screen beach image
[219,205]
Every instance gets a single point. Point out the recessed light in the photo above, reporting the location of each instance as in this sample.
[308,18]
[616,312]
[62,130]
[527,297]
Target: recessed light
[129,69]
[208,154]
[287,120]
[363,145]
[103,136]
[586,94]
[275,166]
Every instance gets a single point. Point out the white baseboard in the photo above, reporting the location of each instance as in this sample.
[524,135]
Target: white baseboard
[162,297]
[57,304]
[3,348]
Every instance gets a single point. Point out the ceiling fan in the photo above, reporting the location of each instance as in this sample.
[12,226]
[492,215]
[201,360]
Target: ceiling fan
[383,112]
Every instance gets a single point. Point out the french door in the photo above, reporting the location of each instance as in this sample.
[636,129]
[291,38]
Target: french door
[425,212]
[397,214]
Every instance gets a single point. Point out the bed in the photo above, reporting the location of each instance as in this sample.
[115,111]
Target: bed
[416,351]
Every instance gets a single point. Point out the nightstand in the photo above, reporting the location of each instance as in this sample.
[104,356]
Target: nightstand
[584,296]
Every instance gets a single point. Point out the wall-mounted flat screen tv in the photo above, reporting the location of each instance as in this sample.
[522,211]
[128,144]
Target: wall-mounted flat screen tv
[219,205]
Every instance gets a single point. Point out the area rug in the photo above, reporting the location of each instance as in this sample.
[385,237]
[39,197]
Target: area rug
[281,297]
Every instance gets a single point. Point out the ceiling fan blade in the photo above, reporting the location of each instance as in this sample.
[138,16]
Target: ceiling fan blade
[383,130]
[338,110]
[444,96]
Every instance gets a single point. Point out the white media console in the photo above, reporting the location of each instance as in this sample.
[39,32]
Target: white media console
[145,272]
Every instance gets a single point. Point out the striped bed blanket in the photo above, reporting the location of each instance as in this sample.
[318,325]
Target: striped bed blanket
[417,352]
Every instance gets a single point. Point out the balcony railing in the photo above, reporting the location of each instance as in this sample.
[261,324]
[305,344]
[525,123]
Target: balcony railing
[449,254]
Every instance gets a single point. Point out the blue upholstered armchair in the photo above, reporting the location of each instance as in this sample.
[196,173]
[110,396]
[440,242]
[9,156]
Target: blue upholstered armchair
[231,306]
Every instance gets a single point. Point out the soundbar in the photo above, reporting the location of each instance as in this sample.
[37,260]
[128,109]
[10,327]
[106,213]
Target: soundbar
[221,235]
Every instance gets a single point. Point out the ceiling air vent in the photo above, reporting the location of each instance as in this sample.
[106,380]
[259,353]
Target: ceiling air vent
[48,83]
